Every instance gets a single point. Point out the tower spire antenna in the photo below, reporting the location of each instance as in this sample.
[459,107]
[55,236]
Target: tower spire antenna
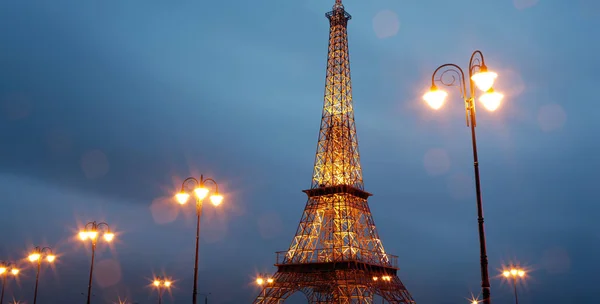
[338,4]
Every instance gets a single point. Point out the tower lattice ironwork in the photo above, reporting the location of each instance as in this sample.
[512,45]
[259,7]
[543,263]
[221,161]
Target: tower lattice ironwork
[336,255]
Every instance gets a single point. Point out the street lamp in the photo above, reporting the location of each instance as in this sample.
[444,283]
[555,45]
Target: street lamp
[514,273]
[200,192]
[91,231]
[37,255]
[6,269]
[161,283]
[479,77]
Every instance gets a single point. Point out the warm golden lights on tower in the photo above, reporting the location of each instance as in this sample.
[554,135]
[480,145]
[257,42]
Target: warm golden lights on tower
[336,227]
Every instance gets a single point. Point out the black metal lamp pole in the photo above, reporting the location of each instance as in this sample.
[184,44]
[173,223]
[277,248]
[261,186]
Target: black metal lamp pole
[515,288]
[91,231]
[38,255]
[200,193]
[476,64]
[7,268]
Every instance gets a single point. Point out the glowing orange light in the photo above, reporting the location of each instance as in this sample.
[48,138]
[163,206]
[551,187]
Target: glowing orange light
[491,100]
[435,98]
[34,257]
[201,192]
[216,199]
[484,80]
[109,236]
[182,197]
[514,272]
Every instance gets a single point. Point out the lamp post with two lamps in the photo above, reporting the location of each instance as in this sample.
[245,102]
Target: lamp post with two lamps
[91,231]
[161,283]
[514,273]
[200,192]
[37,255]
[479,76]
[6,268]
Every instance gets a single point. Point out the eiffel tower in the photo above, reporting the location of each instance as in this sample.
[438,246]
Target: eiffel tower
[336,255]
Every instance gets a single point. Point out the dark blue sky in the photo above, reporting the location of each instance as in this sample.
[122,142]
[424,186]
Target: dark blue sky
[106,105]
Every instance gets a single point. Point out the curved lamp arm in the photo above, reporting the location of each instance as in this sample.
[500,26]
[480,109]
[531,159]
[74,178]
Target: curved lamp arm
[46,251]
[103,225]
[451,75]
[42,251]
[199,183]
[190,179]
[94,226]
[477,63]
[212,181]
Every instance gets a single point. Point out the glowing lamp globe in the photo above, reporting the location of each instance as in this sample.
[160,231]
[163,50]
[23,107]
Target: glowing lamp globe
[484,80]
[182,197]
[109,236]
[491,100]
[201,192]
[92,234]
[216,199]
[435,98]
[34,257]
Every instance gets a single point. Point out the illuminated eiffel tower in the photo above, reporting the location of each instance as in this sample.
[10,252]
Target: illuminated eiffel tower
[336,255]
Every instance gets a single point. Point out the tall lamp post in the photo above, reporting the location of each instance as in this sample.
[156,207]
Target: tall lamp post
[6,268]
[91,231]
[200,192]
[37,255]
[514,274]
[452,75]
[161,283]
